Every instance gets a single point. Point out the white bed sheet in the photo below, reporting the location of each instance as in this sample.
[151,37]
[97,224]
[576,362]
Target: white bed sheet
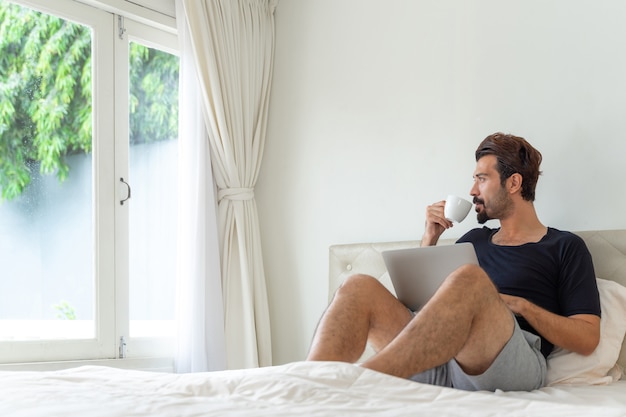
[300,388]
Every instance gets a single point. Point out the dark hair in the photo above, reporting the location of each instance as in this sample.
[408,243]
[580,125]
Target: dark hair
[515,155]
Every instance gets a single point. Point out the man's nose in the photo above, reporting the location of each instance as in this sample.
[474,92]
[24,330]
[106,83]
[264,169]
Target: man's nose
[474,190]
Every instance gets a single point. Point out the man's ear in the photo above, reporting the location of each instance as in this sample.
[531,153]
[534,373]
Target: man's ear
[514,183]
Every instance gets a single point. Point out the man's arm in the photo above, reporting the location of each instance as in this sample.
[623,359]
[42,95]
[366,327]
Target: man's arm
[578,333]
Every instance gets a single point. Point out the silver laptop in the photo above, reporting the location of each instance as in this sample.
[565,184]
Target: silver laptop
[417,273]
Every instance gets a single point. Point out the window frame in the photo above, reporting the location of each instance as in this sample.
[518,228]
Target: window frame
[133,31]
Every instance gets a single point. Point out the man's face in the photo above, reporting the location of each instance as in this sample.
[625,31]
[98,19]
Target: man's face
[490,197]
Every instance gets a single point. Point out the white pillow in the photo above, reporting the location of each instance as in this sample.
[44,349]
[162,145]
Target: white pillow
[565,367]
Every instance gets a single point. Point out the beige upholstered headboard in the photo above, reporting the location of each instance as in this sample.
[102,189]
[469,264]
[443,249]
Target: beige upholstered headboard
[608,248]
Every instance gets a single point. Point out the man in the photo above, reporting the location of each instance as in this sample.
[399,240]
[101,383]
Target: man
[489,327]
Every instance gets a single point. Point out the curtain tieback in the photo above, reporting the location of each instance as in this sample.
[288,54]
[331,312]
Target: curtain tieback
[235,194]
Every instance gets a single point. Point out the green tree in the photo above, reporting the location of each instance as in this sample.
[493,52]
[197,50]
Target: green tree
[153,101]
[45,95]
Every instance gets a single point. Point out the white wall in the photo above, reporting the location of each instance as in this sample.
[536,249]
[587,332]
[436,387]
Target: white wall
[377,108]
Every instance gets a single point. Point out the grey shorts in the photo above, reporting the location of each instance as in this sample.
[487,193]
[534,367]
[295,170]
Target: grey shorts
[520,366]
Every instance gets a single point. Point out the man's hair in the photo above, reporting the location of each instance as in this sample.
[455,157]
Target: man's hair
[515,155]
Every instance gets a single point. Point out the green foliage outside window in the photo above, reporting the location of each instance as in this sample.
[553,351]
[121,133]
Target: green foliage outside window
[153,101]
[46,98]
[65,311]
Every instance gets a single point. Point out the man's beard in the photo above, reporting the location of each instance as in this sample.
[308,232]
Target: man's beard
[499,207]
[482,217]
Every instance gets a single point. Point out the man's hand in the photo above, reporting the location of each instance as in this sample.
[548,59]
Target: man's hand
[436,224]
[515,304]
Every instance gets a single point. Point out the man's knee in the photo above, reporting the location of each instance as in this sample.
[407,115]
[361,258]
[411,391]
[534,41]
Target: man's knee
[472,283]
[359,282]
[361,286]
[470,276]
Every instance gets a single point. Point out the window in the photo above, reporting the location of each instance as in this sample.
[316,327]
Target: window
[88,119]
[149,138]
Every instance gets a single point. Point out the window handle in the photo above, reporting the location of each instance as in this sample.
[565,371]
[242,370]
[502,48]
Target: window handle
[128,195]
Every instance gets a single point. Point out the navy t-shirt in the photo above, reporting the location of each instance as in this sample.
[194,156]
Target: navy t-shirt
[555,273]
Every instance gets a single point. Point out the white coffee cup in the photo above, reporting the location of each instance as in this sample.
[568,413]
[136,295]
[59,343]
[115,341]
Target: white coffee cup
[456,208]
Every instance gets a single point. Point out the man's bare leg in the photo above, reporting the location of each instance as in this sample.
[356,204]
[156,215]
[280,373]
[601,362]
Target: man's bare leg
[361,309]
[466,319]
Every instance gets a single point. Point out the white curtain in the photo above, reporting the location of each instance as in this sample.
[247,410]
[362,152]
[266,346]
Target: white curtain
[200,312]
[233,43]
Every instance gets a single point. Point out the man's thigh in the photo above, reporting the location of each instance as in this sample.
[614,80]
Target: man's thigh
[492,323]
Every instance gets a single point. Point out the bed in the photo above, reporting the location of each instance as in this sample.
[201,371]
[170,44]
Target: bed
[589,386]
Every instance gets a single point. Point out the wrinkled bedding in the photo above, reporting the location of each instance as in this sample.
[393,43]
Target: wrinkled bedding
[299,388]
